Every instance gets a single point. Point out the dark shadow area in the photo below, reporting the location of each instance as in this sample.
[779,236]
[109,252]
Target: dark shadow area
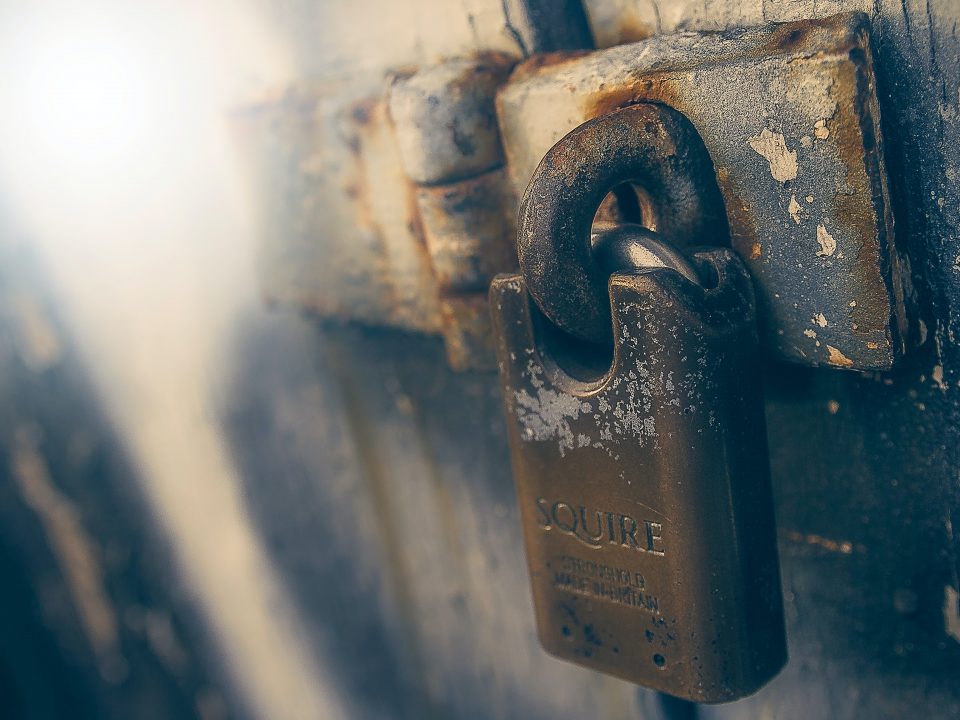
[94,621]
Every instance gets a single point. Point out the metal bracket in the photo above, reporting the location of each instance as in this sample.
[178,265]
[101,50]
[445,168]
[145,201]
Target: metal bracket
[390,209]
[789,116]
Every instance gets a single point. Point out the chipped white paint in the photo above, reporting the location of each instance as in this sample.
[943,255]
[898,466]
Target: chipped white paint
[812,334]
[622,412]
[794,209]
[828,246]
[937,376]
[547,415]
[819,319]
[838,358]
[951,612]
[948,112]
[633,414]
[773,148]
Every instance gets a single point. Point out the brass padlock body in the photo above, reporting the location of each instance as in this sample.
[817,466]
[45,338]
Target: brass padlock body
[645,493]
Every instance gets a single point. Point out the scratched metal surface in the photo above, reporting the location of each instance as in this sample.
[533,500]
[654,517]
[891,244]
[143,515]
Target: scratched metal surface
[376,481]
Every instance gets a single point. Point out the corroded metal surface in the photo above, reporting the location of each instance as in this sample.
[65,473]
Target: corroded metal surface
[865,469]
[446,120]
[644,491]
[469,228]
[340,225]
[789,116]
[336,177]
[646,144]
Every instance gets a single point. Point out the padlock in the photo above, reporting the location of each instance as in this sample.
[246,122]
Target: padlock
[641,463]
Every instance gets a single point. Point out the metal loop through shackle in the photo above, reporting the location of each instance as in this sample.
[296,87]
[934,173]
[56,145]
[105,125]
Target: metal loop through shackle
[625,247]
[650,145]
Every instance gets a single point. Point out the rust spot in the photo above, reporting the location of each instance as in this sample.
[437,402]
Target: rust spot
[414,221]
[811,37]
[494,62]
[744,235]
[789,38]
[398,74]
[469,231]
[535,64]
[851,132]
[652,88]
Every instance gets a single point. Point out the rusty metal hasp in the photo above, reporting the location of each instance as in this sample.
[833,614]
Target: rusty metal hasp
[789,116]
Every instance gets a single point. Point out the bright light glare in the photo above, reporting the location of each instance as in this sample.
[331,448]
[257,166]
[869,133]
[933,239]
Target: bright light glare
[86,97]
[114,154]
[82,100]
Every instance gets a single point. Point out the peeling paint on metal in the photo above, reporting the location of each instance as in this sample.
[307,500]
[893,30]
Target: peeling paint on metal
[937,375]
[546,414]
[809,72]
[794,209]
[828,246]
[838,358]
[772,146]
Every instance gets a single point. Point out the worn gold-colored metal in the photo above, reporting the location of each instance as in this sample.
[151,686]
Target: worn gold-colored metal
[644,489]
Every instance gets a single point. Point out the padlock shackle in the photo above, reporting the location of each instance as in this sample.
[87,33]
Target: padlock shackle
[646,144]
[625,247]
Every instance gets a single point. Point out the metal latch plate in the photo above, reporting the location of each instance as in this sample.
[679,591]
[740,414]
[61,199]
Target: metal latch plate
[789,116]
